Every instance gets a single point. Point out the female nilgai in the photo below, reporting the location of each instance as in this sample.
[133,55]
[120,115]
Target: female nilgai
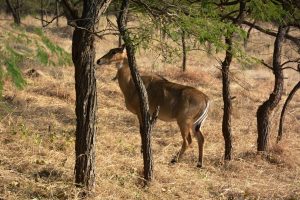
[184,104]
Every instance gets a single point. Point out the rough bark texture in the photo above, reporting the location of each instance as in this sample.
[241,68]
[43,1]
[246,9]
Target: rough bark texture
[15,11]
[265,110]
[289,98]
[226,123]
[146,121]
[183,51]
[83,55]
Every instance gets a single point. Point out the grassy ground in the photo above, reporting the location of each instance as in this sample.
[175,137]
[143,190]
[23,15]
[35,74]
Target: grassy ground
[37,134]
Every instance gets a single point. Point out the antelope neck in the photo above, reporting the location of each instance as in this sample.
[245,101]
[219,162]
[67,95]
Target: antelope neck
[124,77]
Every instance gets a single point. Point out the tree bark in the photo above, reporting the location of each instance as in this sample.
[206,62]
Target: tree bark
[282,115]
[42,12]
[146,120]
[83,56]
[117,14]
[226,123]
[183,51]
[15,11]
[265,110]
[57,11]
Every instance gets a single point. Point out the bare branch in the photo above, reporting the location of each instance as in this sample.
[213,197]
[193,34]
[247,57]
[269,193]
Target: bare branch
[291,61]
[49,22]
[97,34]
[290,68]
[228,14]
[265,64]
[295,40]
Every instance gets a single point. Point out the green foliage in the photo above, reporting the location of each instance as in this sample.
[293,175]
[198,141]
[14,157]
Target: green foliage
[11,59]
[19,45]
[63,57]
[42,55]
[268,11]
[205,21]
[201,21]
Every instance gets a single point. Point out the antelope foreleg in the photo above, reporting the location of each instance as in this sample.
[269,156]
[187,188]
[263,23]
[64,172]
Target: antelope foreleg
[187,139]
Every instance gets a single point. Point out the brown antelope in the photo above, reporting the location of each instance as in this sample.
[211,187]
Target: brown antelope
[184,104]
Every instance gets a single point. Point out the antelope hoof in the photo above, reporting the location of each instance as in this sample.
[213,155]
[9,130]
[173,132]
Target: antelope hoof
[174,160]
[199,165]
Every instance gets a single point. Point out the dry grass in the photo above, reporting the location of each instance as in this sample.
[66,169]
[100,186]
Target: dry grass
[37,138]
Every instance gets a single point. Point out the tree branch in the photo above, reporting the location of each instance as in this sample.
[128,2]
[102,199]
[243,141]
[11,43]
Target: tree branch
[96,33]
[265,64]
[71,8]
[49,22]
[291,61]
[295,40]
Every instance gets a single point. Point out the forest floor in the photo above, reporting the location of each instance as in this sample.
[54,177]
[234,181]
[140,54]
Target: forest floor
[37,127]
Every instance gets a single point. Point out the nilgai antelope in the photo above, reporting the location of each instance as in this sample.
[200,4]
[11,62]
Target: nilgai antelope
[184,104]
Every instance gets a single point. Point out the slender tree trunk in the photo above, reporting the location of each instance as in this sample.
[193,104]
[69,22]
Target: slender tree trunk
[146,121]
[15,11]
[42,13]
[83,55]
[57,12]
[265,110]
[226,123]
[18,12]
[183,51]
[282,116]
[117,14]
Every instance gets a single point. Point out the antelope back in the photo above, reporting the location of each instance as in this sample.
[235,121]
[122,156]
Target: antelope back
[115,55]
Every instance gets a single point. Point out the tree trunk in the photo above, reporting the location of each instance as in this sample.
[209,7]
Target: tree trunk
[42,12]
[226,123]
[146,121]
[183,51]
[265,110]
[15,11]
[83,56]
[289,98]
[57,12]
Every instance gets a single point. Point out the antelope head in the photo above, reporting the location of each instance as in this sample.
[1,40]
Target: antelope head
[114,56]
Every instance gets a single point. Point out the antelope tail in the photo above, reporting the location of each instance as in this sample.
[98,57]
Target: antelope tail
[201,119]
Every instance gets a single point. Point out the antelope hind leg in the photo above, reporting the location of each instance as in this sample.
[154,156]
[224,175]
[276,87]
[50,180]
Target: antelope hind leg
[200,139]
